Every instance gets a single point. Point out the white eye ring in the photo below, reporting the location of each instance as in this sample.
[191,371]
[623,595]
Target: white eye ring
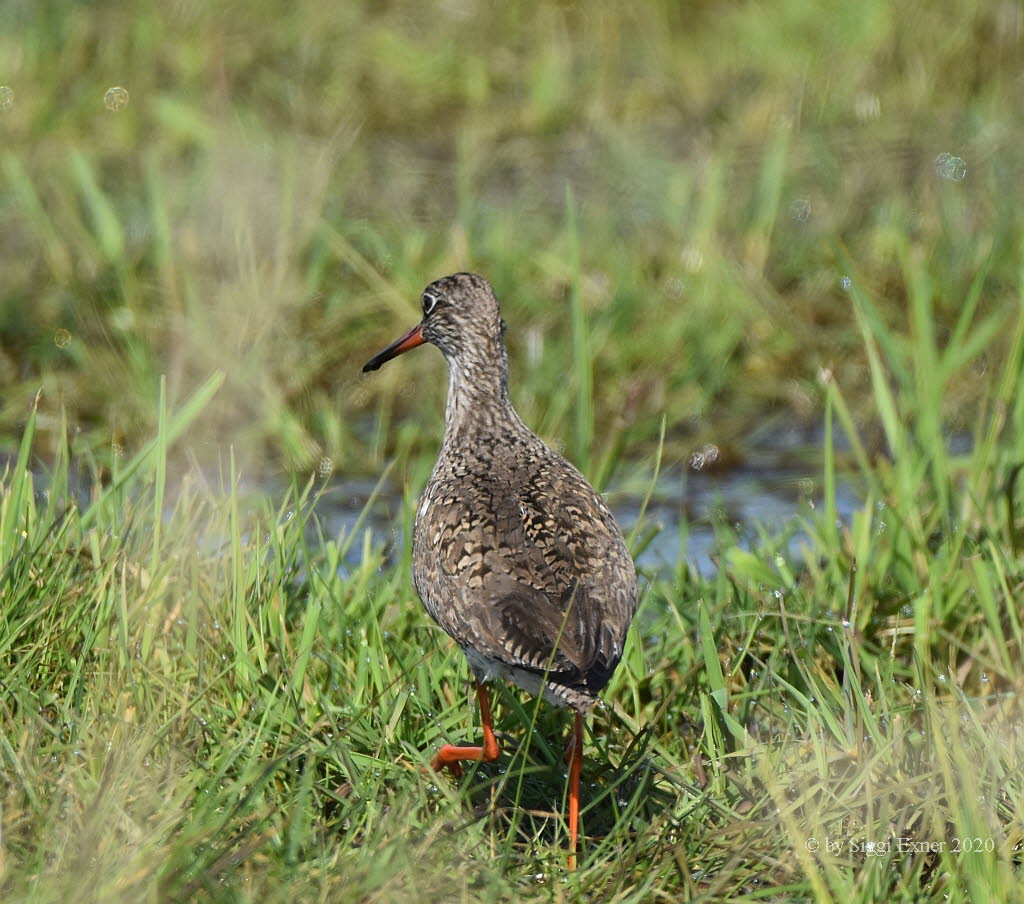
[429,303]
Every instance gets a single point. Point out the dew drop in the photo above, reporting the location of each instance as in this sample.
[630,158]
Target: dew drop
[703,457]
[6,98]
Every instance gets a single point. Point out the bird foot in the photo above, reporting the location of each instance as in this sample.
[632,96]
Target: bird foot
[451,756]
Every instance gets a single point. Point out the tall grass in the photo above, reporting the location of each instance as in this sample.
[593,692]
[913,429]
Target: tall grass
[270,205]
[699,219]
[201,700]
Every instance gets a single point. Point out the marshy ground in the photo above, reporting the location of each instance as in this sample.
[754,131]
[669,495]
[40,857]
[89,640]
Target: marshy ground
[787,234]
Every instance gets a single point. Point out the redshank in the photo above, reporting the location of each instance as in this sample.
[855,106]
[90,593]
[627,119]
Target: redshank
[514,554]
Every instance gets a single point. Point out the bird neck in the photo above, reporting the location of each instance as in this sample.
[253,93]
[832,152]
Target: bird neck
[478,390]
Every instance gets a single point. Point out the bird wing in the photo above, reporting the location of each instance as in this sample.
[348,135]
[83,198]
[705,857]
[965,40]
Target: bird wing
[544,579]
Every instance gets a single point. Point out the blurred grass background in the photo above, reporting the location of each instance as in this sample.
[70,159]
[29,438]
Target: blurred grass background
[283,179]
[733,219]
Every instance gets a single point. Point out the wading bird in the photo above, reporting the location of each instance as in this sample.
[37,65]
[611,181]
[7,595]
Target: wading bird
[514,554]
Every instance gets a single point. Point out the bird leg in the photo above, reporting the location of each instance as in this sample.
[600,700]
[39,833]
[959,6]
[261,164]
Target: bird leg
[450,755]
[575,756]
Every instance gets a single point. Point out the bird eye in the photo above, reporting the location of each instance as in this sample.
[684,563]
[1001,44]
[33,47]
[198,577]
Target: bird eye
[429,303]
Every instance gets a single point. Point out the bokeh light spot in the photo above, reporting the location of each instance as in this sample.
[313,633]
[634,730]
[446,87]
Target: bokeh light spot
[116,99]
[951,168]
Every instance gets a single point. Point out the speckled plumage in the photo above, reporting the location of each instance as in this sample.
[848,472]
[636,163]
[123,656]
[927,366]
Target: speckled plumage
[514,553]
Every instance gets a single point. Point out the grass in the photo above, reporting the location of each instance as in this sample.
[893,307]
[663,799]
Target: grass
[200,700]
[282,183]
[699,220]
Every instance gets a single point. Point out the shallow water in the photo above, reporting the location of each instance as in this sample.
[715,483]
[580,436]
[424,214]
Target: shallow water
[685,509]
[684,512]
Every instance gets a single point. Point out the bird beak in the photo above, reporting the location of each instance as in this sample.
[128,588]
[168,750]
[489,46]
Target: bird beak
[410,340]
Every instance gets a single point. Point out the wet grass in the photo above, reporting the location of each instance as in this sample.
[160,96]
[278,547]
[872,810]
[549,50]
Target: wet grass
[200,702]
[700,221]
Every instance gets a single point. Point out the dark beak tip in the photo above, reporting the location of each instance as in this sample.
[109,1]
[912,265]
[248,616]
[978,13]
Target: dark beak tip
[410,340]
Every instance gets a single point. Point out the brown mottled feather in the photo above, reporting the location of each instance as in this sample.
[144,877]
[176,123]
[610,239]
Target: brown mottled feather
[514,553]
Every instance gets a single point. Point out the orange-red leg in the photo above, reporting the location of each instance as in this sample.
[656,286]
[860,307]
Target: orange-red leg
[575,753]
[450,755]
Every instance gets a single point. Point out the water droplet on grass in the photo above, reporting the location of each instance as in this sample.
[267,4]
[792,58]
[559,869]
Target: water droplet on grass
[845,282]
[703,457]
[6,98]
